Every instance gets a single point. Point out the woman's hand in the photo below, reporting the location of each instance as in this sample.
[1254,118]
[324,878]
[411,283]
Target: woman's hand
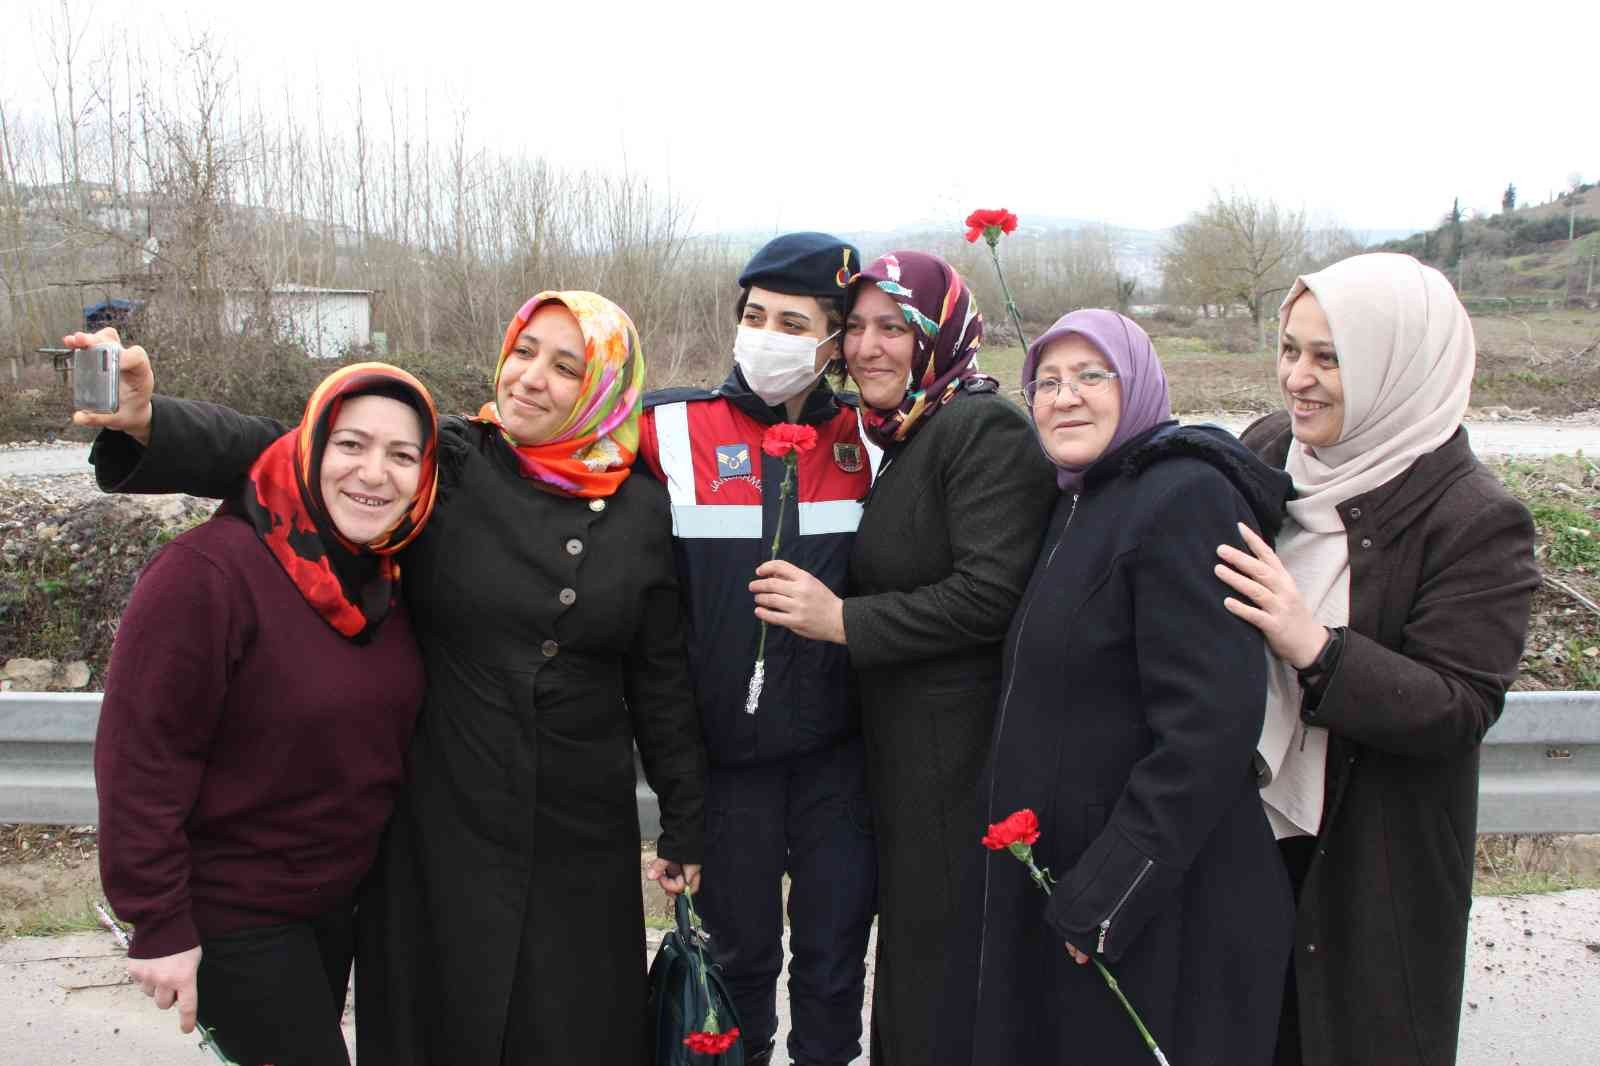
[1275,608]
[171,979]
[790,597]
[135,385]
[673,877]
[1077,956]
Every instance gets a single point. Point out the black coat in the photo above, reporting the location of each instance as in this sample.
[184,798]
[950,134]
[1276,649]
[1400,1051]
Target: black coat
[502,922]
[1132,705]
[1441,578]
[949,533]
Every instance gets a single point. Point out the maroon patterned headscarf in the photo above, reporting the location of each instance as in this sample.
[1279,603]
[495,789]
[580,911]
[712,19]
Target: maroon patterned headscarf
[948,329]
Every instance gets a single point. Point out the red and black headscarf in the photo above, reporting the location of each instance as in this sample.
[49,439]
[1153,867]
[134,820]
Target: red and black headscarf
[351,585]
[948,328]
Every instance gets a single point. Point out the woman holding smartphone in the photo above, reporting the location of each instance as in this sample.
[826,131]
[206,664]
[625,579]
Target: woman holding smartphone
[258,707]
[503,922]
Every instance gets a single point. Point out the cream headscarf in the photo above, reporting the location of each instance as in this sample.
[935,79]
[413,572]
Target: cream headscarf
[1406,357]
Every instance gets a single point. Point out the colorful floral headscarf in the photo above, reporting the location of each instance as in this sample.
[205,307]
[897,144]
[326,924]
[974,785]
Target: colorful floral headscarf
[352,586]
[592,452]
[948,329]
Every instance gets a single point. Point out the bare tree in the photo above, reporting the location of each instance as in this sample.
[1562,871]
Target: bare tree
[1239,248]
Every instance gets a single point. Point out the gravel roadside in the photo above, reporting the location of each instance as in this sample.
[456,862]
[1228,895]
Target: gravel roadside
[1532,997]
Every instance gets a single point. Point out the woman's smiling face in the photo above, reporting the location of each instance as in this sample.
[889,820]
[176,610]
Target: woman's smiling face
[878,348]
[1075,427]
[1308,374]
[542,375]
[371,466]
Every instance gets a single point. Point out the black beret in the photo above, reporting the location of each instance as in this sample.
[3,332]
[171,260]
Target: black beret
[803,264]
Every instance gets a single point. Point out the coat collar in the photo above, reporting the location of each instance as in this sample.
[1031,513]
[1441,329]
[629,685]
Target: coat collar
[1394,505]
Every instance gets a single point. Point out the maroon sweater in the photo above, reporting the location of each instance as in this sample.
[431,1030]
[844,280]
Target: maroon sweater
[248,756]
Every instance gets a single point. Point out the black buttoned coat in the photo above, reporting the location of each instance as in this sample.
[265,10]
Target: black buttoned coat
[949,534]
[1129,714]
[1441,578]
[502,923]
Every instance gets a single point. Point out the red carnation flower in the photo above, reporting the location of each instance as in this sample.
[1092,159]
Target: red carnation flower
[711,1043]
[990,225]
[1019,827]
[785,437]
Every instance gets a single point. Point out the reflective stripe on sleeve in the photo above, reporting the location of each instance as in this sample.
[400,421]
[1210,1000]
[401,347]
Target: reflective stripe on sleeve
[829,516]
[673,451]
[718,521]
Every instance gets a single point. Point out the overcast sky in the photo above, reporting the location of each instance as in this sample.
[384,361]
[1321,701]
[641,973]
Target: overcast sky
[872,114]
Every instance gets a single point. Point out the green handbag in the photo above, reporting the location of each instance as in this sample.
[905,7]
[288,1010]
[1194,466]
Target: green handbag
[685,991]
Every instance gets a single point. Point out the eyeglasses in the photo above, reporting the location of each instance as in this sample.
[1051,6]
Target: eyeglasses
[1045,390]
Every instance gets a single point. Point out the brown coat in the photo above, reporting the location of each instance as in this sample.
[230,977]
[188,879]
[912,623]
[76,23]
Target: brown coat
[1441,576]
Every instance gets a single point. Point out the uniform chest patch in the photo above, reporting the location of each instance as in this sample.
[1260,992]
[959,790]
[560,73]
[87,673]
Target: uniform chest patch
[733,460]
[847,457]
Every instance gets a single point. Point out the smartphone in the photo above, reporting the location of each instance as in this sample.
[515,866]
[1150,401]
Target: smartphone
[95,374]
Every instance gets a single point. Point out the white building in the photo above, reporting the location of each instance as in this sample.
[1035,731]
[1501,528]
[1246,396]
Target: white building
[326,322]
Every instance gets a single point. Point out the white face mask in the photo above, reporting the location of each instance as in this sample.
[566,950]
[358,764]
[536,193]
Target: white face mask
[777,366]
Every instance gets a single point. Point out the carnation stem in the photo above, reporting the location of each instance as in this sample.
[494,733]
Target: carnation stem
[777,536]
[1011,305]
[1111,982]
[208,1042]
[700,955]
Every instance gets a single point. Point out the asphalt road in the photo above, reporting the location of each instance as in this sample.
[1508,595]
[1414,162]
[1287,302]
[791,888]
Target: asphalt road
[1532,999]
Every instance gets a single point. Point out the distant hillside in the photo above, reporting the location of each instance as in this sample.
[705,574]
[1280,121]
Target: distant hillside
[1520,256]
[1588,204]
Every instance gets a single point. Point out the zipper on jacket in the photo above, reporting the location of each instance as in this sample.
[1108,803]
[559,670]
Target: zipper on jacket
[1064,527]
[1105,926]
[1000,726]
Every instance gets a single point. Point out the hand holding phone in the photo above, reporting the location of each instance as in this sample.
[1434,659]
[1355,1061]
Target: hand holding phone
[129,406]
[95,373]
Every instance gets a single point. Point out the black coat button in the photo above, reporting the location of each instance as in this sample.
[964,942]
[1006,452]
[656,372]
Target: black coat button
[574,546]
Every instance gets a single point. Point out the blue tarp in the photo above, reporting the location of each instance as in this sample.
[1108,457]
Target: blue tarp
[109,313]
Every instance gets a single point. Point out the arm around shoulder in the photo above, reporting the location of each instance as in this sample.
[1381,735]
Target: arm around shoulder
[202,449]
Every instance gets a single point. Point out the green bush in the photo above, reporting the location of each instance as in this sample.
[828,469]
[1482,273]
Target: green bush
[67,569]
[1570,537]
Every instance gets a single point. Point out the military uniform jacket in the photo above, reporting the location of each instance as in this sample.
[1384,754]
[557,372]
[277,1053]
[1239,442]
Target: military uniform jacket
[725,496]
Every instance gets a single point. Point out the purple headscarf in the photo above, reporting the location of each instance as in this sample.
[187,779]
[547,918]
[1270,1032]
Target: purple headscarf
[1129,351]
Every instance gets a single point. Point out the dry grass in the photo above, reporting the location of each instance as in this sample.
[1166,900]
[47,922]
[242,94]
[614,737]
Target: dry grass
[50,885]
[50,882]
[1547,362]
[1523,864]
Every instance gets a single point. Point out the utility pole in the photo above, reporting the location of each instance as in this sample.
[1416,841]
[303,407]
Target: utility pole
[1572,218]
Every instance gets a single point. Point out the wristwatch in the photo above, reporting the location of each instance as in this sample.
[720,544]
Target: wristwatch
[1326,659]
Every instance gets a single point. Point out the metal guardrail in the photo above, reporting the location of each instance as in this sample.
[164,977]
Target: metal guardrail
[1540,768]
[47,762]
[1540,765]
